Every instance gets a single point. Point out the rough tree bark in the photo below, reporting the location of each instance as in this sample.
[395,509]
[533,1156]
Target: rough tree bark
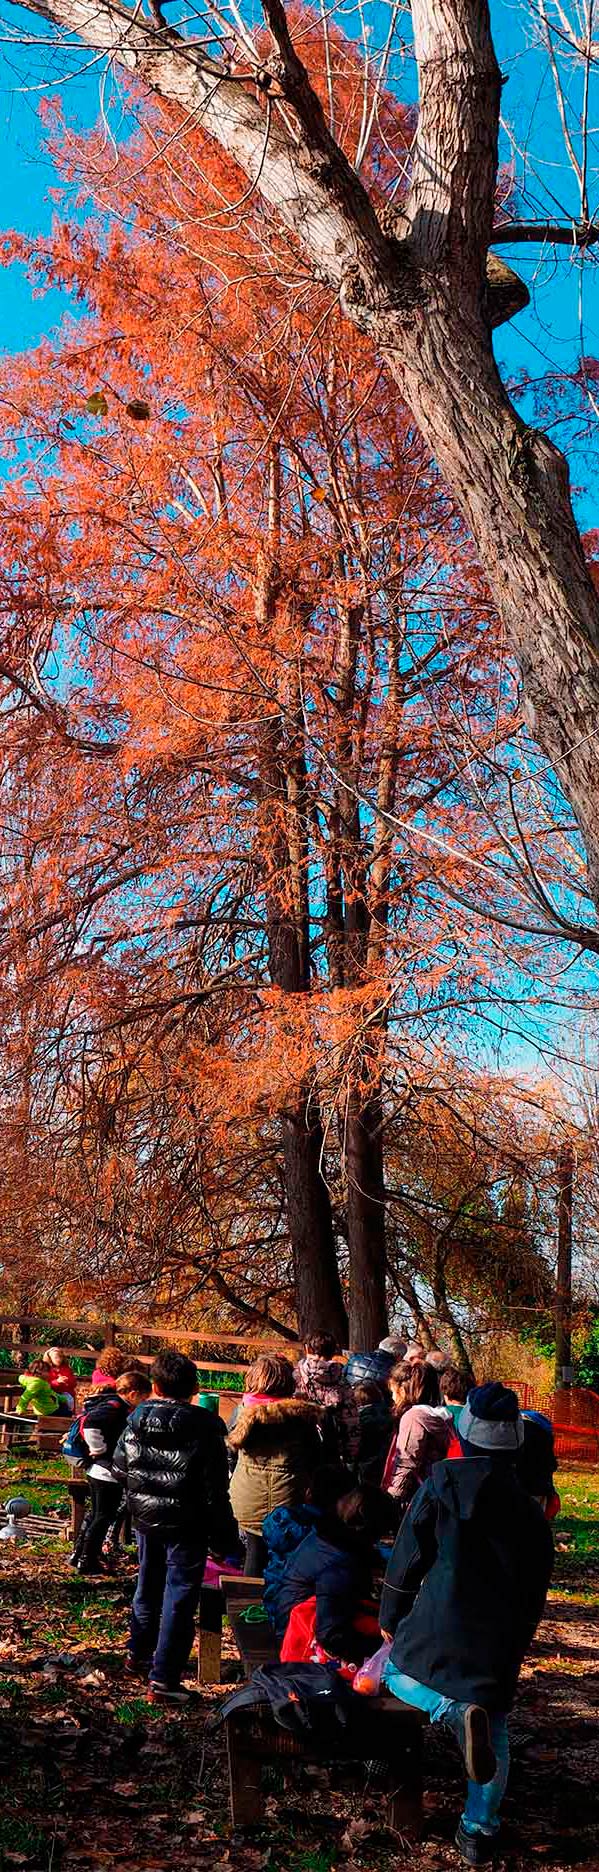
[423,298]
[319,1299]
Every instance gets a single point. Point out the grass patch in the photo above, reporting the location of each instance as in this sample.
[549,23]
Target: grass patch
[577,1532]
[24,1839]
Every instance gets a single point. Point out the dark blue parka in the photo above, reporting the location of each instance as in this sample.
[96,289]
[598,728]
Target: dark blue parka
[466,1583]
[338,1572]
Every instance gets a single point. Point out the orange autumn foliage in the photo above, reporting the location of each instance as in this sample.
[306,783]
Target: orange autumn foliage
[254,718]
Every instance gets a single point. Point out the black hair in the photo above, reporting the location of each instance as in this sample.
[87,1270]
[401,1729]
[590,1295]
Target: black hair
[323,1345]
[328,1483]
[366,1511]
[174,1375]
[454,1385]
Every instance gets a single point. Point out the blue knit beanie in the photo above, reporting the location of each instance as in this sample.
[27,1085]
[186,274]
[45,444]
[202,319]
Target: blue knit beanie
[491,1421]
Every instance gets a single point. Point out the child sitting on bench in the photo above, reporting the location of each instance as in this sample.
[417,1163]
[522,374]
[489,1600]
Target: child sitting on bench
[326,1603]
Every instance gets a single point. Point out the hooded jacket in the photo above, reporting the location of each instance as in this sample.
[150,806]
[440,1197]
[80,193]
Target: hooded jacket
[422,1439]
[319,1379]
[466,1583]
[38,1400]
[284,1530]
[171,1459]
[278,1445]
[103,1418]
[336,1569]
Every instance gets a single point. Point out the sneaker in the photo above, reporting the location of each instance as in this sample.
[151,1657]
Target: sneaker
[160,1693]
[477,1849]
[478,1753]
[137,1667]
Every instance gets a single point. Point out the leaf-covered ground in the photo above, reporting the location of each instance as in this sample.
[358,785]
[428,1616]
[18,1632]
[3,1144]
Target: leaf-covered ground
[95,1777]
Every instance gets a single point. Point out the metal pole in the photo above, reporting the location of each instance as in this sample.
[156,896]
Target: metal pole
[563,1293]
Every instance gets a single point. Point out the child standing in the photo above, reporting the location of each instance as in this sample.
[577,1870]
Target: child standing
[277,1445]
[423,1430]
[104,1417]
[463,1594]
[171,1461]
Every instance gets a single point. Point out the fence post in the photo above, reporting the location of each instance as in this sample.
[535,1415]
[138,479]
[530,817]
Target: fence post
[563,1293]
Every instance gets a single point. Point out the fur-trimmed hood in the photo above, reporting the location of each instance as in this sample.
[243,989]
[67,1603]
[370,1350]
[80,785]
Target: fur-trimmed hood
[260,1426]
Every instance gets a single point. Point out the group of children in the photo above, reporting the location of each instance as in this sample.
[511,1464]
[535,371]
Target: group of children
[390,1509]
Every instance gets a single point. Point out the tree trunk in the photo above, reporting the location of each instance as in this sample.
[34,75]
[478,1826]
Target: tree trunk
[319,1299]
[563,1290]
[366,1222]
[284,848]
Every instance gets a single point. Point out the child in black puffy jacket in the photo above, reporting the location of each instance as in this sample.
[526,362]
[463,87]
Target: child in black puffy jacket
[172,1463]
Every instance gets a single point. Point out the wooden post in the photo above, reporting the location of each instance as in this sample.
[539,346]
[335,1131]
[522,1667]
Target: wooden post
[245,1775]
[563,1292]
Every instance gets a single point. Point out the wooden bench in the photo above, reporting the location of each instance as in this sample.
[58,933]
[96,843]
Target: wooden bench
[44,1434]
[235,1589]
[380,1729]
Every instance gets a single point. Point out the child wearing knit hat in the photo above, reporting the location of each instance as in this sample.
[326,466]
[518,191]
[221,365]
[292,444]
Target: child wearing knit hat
[464,1592]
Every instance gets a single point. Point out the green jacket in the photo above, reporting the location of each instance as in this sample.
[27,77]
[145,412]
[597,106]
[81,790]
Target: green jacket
[38,1400]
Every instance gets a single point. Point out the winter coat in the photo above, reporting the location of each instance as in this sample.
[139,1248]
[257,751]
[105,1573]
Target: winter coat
[375,1425]
[466,1583]
[102,1420]
[278,1446]
[338,1572]
[422,1439]
[62,1379]
[536,1461]
[284,1530]
[171,1459]
[38,1400]
[319,1379]
[369,1367]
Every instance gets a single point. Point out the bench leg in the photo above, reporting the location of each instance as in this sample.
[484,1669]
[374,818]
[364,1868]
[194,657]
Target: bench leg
[210,1636]
[405,1801]
[209,1656]
[245,1778]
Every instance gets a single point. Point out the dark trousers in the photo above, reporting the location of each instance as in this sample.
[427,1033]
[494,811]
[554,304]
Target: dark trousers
[256,1554]
[165,1604]
[105,1501]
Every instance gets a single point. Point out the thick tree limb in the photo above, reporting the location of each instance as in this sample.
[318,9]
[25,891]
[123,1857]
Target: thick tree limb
[256,1315]
[423,299]
[551,233]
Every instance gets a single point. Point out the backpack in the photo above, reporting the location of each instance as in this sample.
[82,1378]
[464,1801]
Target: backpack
[73,1446]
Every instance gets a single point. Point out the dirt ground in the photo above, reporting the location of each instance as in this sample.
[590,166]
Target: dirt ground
[94,1777]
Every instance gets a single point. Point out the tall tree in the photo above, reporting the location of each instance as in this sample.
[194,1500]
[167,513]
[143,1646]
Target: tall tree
[244,618]
[417,284]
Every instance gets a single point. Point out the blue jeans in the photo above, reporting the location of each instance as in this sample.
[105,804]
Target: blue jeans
[165,1605]
[481,1813]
